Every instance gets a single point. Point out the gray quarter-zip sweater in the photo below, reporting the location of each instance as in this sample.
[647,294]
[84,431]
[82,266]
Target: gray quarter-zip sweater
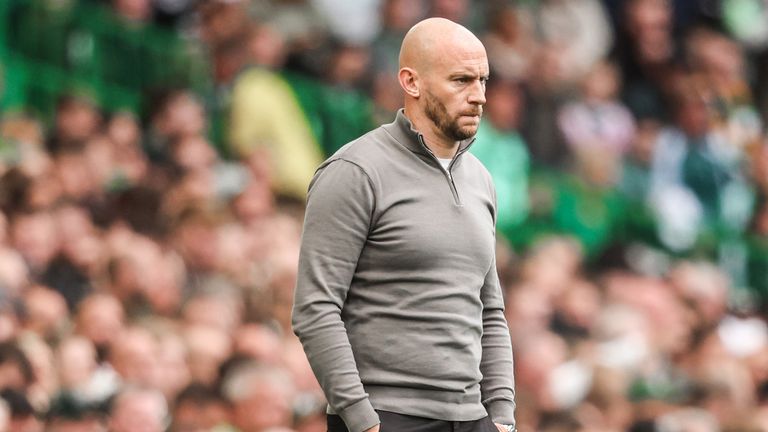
[397,302]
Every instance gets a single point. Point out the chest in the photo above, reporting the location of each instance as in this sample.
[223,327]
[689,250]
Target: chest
[427,218]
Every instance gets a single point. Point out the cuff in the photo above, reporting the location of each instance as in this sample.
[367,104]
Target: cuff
[359,416]
[502,412]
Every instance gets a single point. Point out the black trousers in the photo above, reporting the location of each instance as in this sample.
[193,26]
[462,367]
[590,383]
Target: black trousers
[393,422]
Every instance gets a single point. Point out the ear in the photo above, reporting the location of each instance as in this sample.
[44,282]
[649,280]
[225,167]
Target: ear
[409,81]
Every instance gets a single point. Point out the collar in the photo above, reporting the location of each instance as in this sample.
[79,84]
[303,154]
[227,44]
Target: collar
[402,130]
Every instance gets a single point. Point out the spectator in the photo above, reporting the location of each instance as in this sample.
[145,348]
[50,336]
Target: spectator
[208,348]
[693,160]
[77,119]
[504,153]
[23,416]
[17,370]
[510,43]
[647,54]
[83,381]
[276,125]
[198,408]
[578,30]
[260,396]
[34,236]
[596,120]
[100,318]
[69,415]
[45,312]
[138,410]
[134,356]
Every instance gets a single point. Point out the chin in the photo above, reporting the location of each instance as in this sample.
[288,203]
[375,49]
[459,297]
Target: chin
[469,132]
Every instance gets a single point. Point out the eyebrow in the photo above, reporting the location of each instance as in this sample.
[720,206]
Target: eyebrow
[465,74]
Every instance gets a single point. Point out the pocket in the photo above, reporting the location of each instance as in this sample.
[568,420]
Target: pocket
[335,424]
[490,426]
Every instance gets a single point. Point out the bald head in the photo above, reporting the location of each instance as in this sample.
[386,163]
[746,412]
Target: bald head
[428,39]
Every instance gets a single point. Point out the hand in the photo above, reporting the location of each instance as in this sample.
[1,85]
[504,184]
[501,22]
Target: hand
[373,429]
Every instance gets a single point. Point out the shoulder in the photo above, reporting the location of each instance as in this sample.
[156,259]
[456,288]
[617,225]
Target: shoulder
[368,151]
[474,164]
[354,159]
[476,169]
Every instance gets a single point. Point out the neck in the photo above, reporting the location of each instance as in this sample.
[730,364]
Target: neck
[436,142]
[441,149]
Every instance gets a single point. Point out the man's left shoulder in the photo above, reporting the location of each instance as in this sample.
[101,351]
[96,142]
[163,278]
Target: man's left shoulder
[474,165]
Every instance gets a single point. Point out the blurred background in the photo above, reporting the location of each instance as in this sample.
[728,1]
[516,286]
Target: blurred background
[154,158]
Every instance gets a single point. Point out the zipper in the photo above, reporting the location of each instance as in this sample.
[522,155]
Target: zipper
[446,172]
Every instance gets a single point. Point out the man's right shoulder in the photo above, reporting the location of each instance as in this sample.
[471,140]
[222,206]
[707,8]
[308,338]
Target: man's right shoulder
[365,151]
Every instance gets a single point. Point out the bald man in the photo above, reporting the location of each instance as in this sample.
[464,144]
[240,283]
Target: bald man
[397,303]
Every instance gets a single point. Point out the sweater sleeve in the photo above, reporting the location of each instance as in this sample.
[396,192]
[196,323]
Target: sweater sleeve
[336,224]
[498,385]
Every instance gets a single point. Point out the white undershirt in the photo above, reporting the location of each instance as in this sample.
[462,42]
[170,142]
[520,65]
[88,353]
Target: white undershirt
[445,162]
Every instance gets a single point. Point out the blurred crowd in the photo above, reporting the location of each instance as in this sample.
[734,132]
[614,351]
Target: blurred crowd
[148,256]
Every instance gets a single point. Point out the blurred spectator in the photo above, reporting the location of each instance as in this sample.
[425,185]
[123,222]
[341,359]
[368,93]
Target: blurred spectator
[510,42]
[175,374]
[17,370]
[69,415]
[34,236]
[45,312]
[23,416]
[83,381]
[578,30]
[504,152]
[694,164]
[266,118]
[687,419]
[134,356]
[138,409]
[133,10]
[397,16]
[333,103]
[100,318]
[175,115]
[260,397]
[546,92]
[745,20]
[354,23]
[198,408]
[721,64]
[207,349]
[456,10]
[647,54]
[77,119]
[596,121]
[260,343]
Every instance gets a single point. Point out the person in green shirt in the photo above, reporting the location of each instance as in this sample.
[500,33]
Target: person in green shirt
[504,153]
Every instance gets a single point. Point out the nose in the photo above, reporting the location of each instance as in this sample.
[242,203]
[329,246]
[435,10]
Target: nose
[477,93]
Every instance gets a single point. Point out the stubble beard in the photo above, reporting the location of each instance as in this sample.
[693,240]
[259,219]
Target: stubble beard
[436,111]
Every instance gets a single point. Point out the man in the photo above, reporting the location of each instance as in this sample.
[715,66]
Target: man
[398,304]
[138,409]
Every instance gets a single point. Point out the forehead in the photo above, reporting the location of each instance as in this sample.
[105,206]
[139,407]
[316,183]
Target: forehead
[461,56]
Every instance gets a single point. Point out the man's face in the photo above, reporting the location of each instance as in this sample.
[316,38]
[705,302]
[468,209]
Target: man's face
[454,92]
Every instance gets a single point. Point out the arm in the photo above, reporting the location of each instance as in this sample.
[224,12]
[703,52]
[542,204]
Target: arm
[336,224]
[497,386]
